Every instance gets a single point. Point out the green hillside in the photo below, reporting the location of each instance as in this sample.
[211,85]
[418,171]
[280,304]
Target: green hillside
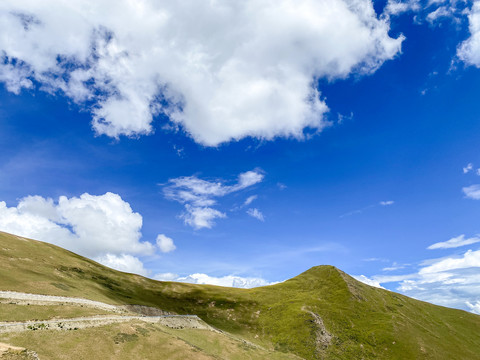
[321,313]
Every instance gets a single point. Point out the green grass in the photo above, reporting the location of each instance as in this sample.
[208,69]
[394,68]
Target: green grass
[365,322]
[225,346]
[136,340]
[116,341]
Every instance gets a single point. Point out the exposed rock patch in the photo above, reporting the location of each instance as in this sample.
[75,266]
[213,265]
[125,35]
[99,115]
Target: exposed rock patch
[322,337]
[145,310]
[172,321]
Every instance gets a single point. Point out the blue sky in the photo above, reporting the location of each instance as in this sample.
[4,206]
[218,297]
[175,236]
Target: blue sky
[245,158]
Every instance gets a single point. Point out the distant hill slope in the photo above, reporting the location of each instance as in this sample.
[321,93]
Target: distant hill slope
[321,313]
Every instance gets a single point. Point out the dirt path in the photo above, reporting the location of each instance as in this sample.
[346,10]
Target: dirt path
[36,299]
[172,321]
[49,299]
[142,313]
[6,347]
[17,352]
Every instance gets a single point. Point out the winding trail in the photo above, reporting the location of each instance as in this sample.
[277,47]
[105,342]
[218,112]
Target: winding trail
[36,298]
[160,317]
[172,321]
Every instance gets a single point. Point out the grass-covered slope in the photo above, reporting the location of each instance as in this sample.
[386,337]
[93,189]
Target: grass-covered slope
[322,313]
[135,340]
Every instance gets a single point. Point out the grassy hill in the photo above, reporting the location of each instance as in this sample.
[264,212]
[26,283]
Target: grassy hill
[321,313]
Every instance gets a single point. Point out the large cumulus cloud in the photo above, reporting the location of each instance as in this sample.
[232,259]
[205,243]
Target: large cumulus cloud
[102,227]
[469,50]
[221,70]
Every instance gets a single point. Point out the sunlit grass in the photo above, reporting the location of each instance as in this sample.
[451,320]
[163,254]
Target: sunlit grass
[365,322]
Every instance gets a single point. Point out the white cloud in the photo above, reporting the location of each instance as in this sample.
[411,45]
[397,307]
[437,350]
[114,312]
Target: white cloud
[454,242]
[475,308]
[472,191]
[468,168]
[469,259]
[247,179]
[166,277]
[103,227]
[229,280]
[199,196]
[432,11]
[375,259]
[452,281]
[355,212]
[385,279]
[469,50]
[368,281]
[201,217]
[15,78]
[360,211]
[221,70]
[123,262]
[394,267]
[249,200]
[435,2]
[257,214]
[165,244]
[439,13]
[395,7]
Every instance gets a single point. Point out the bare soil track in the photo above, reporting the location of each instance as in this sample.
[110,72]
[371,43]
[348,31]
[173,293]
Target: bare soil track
[129,312]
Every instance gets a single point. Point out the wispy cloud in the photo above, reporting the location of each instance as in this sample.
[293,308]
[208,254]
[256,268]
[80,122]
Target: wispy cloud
[199,196]
[468,168]
[452,281]
[454,242]
[394,267]
[355,212]
[360,211]
[432,11]
[472,191]
[249,200]
[375,259]
[257,214]
[442,12]
[377,280]
[397,7]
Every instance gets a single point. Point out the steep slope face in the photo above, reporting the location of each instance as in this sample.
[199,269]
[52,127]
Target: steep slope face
[322,313]
[359,321]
